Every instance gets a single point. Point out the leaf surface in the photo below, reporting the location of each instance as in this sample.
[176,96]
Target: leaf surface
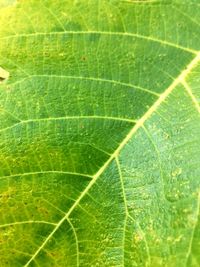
[99,133]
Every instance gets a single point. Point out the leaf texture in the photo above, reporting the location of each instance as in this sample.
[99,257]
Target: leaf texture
[99,133]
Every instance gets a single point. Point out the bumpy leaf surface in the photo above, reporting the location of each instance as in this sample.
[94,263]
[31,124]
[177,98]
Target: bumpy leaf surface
[99,133]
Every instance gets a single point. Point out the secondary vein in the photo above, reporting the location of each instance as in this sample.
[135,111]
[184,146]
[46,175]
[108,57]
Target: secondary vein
[109,33]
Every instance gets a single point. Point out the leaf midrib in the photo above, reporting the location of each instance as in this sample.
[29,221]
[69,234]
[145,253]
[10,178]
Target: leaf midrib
[179,80]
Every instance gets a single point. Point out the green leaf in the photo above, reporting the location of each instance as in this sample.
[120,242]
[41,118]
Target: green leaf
[99,133]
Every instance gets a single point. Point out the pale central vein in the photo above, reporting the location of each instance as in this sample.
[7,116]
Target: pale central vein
[137,126]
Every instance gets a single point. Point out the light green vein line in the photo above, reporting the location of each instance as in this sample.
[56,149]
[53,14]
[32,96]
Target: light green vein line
[43,172]
[10,114]
[120,34]
[158,157]
[53,206]
[54,16]
[25,222]
[66,118]
[127,214]
[115,154]
[21,252]
[125,205]
[76,240]
[186,15]
[86,78]
[140,1]
[95,147]
[193,230]
[193,98]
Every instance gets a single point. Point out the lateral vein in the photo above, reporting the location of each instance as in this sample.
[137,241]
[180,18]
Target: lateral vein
[189,91]
[128,34]
[66,118]
[193,230]
[44,172]
[26,222]
[95,79]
